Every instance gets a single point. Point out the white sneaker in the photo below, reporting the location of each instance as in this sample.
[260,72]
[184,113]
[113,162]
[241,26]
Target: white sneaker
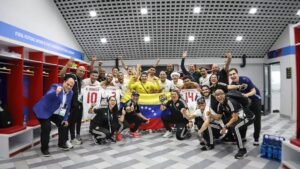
[75,141]
[168,134]
[69,144]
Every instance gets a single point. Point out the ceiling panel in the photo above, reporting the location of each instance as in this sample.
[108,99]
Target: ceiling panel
[169,23]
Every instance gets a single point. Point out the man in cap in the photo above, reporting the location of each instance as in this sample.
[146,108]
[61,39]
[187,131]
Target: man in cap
[133,114]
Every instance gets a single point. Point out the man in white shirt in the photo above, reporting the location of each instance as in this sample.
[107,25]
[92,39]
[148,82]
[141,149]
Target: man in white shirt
[165,84]
[207,128]
[177,82]
[92,80]
[204,79]
[122,83]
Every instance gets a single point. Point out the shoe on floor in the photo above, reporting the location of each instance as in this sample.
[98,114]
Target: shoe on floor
[207,147]
[64,147]
[168,134]
[69,144]
[46,153]
[134,134]
[241,153]
[118,136]
[75,141]
[112,140]
[256,143]
[202,143]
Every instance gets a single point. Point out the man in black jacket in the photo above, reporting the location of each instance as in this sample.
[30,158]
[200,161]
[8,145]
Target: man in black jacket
[192,73]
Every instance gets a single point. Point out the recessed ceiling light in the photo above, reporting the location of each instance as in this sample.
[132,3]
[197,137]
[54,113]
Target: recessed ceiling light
[252,10]
[147,39]
[298,13]
[144,11]
[93,13]
[103,40]
[191,38]
[197,9]
[239,38]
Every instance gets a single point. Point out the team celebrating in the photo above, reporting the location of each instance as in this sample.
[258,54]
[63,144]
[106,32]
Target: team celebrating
[217,104]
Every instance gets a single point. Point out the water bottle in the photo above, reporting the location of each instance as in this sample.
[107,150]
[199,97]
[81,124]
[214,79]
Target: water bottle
[263,150]
[269,152]
[266,139]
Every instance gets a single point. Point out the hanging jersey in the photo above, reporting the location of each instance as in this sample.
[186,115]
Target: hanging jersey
[91,96]
[108,92]
[190,96]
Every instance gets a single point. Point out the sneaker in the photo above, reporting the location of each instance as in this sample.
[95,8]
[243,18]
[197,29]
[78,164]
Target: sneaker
[79,138]
[202,143]
[69,144]
[241,153]
[112,140]
[134,134]
[75,141]
[118,136]
[168,134]
[46,153]
[209,147]
[256,143]
[188,135]
[64,147]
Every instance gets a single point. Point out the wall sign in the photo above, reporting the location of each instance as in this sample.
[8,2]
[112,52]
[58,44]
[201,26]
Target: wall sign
[21,35]
[288,72]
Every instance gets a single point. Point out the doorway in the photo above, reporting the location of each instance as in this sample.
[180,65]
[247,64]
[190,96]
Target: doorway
[275,86]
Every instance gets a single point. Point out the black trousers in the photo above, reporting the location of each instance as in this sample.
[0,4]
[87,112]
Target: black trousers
[239,128]
[255,107]
[212,132]
[180,124]
[75,119]
[46,129]
[135,119]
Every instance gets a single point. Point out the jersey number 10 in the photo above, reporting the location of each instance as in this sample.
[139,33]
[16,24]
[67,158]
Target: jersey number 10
[92,97]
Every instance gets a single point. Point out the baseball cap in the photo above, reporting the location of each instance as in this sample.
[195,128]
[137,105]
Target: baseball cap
[135,93]
[201,100]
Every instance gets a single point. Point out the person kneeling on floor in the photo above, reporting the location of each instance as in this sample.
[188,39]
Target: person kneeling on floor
[232,114]
[133,114]
[177,107]
[106,122]
[208,128]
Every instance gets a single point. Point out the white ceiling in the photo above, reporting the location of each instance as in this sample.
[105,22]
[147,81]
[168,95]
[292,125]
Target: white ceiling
[169,23]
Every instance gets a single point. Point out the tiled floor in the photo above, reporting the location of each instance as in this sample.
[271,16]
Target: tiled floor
[154,152]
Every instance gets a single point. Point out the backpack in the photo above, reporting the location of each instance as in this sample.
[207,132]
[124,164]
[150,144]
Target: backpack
[243,101]
[239,97]
[5,118]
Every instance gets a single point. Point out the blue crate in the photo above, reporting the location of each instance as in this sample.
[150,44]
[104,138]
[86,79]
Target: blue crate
[271,147]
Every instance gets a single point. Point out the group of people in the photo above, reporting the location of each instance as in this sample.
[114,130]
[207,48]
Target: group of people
[211,111]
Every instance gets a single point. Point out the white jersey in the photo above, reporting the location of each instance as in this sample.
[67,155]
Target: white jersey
[204,81]
[190,96]
[122,87]
[179,83]
[88,82]
[108,92]
[203,115]
[167,86]
[91,96]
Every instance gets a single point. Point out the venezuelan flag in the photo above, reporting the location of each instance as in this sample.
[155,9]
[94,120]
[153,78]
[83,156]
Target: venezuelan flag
[150,108]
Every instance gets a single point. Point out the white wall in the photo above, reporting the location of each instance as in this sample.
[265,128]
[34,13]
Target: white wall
[284,39]
[288,105]
[40,17]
